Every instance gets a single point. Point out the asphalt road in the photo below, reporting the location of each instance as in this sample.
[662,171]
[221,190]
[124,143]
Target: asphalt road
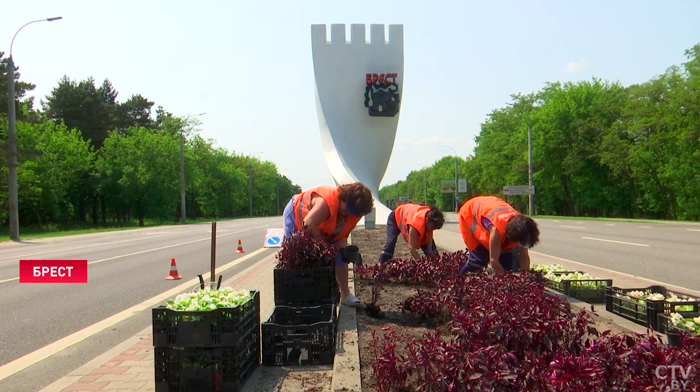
[665,252]
[125,268]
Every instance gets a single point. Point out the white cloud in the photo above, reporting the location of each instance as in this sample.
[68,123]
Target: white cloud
[575,66]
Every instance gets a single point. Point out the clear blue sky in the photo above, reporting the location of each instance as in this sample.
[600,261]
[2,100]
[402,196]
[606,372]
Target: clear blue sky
[248,64]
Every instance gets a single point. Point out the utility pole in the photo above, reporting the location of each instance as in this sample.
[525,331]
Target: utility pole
[13,188]
[408,190]
[250,190]
[425,202]
[456,198]
[277,184]
[12,158]
[531,200]
[183,215]
[456,201]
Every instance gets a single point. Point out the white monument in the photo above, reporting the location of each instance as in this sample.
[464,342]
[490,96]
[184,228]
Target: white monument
[359,88]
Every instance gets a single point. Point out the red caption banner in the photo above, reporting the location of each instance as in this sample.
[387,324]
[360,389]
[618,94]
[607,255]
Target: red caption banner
[53,271]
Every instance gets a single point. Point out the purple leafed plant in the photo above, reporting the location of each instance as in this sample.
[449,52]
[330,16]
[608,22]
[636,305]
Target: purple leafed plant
[506,334]
[426,270]
[372,309]
[305,251]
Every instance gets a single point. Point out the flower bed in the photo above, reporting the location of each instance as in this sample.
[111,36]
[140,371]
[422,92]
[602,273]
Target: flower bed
[494,333]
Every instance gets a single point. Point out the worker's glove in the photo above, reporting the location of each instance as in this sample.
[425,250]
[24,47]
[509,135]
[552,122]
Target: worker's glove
[350,254]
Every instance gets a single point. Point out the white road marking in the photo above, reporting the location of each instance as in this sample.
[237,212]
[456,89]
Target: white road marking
[80,247]
[556,221]
[693,229]
[645,227]
[39,355]
[609,224]
[574,227]
[615,242]
[151,250]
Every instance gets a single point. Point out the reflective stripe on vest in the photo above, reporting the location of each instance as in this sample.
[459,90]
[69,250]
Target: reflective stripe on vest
[300,210]
[476,208]
[403,229]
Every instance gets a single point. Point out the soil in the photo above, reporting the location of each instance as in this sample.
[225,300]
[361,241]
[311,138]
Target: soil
[391,317]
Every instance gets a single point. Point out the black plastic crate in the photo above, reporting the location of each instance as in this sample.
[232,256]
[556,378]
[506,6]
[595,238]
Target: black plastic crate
[553,284]
[592,291]
[221,369]
[223,327]
[644,313]
[625,306]
[305,287]
[665,325]
[692,304]
[300,336]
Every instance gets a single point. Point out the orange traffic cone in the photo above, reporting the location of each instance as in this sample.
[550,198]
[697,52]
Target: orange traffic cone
[240,247]
[174,275]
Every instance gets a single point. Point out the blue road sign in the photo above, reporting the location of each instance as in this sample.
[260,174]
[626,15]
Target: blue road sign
[273,238]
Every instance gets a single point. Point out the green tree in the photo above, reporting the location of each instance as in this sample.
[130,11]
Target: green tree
[139,174]
[24,107]
[83,106]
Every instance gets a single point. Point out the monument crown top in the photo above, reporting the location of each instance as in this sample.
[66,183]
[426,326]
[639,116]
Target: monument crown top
[357,34]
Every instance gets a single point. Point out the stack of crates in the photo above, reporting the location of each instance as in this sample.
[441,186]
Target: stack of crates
[214,350]
[302,328]
[647,312]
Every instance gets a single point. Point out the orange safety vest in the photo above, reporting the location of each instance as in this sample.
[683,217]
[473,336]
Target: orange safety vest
[492,208]
[302,206]
[412,215]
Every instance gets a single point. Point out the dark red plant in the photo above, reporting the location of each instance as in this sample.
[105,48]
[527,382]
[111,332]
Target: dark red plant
[372,309]
[426,270]
[305,251]
[506,334]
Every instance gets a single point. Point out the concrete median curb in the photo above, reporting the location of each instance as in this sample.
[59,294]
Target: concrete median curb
[346,367]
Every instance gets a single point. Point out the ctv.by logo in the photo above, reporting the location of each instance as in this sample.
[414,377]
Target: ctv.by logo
[663,372]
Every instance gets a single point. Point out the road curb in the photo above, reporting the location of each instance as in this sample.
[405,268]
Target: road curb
[346,366]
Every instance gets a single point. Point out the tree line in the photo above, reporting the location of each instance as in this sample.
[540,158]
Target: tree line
[599,149]
[86,157]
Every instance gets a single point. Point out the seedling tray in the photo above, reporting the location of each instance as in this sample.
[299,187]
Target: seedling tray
[223,327]
[587,290]
[672,332]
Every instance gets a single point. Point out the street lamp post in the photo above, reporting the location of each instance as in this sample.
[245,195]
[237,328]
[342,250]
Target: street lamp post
[12,138]
[425,177]
[183,210]
[425,202]
[250,190]
[531,201]
[408,190]
[456,203]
